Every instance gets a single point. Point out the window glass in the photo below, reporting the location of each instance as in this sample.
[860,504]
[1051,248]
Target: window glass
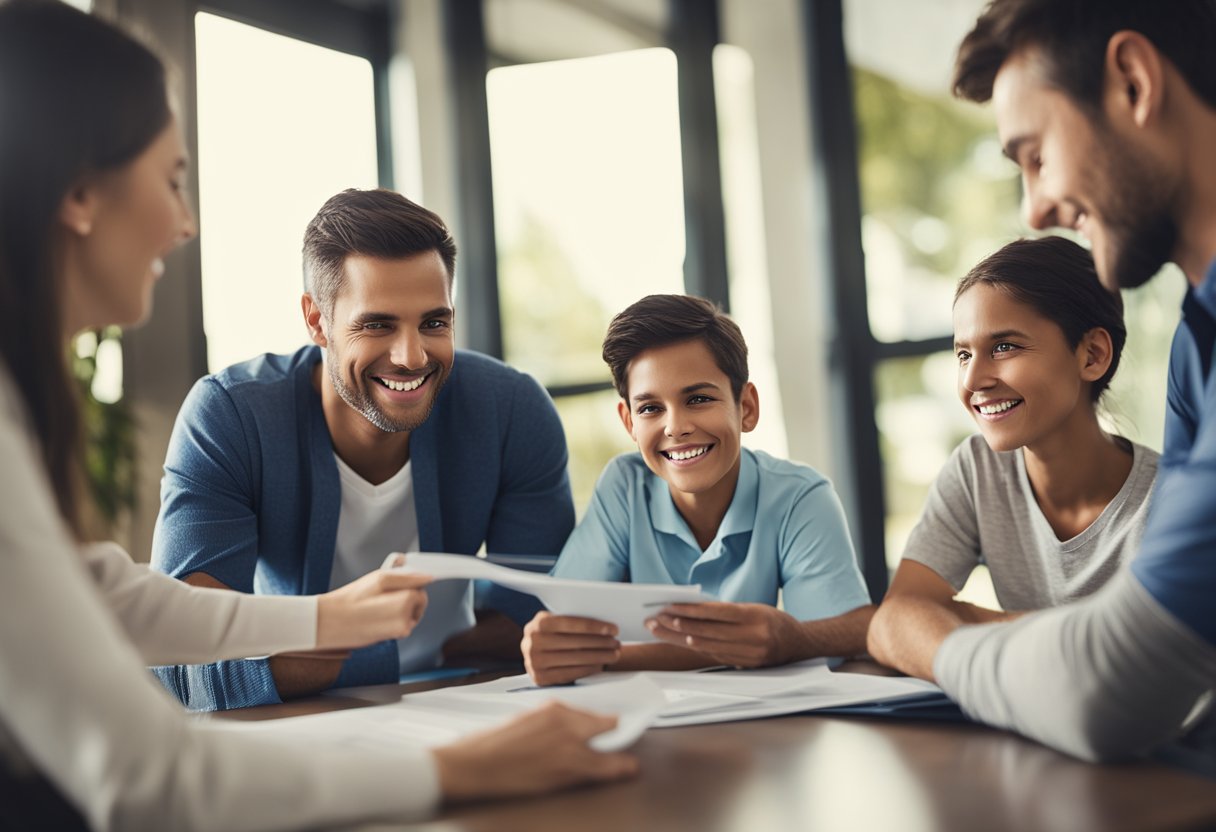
[588,201]
[594,435]
[282,126]
[938,196]
[937,193]
[589,217]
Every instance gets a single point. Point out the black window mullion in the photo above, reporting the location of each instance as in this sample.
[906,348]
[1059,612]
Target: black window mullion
[465,41]
[837,245]
[693,34]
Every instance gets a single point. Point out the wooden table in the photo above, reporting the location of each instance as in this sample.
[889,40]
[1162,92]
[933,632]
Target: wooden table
[833,773]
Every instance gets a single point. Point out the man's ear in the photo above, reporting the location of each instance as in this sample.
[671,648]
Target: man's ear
[1095,353]
[314,320]
[749,407]
[622,409]
[78,208]
[1135,78]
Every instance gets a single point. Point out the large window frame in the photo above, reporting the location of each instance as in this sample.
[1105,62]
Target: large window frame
[165,358]
[692,35]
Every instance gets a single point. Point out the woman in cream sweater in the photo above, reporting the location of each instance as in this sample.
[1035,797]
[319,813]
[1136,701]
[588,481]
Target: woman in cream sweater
[91,170]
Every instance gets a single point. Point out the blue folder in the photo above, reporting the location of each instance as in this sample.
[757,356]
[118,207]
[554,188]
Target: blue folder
[931,706]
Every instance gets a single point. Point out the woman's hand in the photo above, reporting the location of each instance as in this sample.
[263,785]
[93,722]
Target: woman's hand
[541,751]
[382,605]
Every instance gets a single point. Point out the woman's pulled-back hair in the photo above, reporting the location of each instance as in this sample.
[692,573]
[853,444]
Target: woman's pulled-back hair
[1056,278]
[77,97]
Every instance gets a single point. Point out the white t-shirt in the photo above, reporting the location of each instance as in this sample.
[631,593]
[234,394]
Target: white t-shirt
[376,520]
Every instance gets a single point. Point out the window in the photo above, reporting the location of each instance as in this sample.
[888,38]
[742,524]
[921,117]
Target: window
[590,199]
[938,196]
[282,126]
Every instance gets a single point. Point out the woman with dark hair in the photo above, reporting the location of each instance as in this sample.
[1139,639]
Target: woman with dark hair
[1043,495]
[91,168]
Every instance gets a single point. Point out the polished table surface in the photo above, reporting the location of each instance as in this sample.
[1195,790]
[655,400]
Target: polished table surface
[829,773]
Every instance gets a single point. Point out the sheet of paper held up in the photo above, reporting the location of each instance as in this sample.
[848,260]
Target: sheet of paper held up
[623,604]
[441,716]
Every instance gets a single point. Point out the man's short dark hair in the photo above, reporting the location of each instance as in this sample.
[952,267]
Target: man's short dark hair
[1071,36]
[660,320]
[376,223]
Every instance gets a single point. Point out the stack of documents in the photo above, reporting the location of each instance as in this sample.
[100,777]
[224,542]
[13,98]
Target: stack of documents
[639,700]
[729,695]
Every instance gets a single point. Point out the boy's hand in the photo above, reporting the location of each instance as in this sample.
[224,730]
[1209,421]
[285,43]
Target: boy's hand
[743,635]
[561,648]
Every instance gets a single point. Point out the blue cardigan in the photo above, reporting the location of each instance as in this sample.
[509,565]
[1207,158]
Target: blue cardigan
[251,495]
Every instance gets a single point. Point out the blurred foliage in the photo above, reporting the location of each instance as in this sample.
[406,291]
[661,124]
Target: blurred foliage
[937,195]
[553,330]
[551,327]
[109,433]
[929,163]
[929,156]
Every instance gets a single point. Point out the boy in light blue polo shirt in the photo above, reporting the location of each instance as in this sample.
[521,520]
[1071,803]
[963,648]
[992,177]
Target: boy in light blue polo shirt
[693,506]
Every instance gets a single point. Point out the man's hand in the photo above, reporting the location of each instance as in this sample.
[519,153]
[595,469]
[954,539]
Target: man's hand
[381,605]
[743,635]
[561,648]
[541,751]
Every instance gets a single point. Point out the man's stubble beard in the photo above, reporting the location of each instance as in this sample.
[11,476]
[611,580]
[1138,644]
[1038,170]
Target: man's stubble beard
[363,404]
[1141,233]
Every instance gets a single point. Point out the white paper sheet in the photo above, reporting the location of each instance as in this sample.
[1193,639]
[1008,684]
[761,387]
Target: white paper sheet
[437,717]
[623,604]
[727,696]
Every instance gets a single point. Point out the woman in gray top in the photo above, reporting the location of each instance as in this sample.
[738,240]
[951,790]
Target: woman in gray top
[1043,496]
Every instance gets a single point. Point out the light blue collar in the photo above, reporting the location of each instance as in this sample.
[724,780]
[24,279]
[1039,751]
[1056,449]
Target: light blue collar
[740,516]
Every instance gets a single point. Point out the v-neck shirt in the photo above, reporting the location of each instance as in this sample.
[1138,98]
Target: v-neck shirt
[982,509]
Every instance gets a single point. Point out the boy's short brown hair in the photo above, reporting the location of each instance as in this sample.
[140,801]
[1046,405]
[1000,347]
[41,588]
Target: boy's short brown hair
[659,320]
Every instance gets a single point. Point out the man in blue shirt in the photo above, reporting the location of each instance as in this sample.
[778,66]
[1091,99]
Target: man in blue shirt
[694,507]
[292,474]
[1109,109]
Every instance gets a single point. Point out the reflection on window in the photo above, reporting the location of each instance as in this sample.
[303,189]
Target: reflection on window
[282,126]
[588,201]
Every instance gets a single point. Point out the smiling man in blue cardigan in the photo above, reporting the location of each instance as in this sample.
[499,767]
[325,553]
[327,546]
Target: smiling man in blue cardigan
[293,474]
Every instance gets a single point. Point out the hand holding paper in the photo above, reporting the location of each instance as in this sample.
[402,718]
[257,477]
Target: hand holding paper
[561,648]
[623,604]
[743,635]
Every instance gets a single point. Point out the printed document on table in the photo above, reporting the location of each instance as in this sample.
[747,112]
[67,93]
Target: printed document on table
[438,717]
[623,604]
[693,698]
